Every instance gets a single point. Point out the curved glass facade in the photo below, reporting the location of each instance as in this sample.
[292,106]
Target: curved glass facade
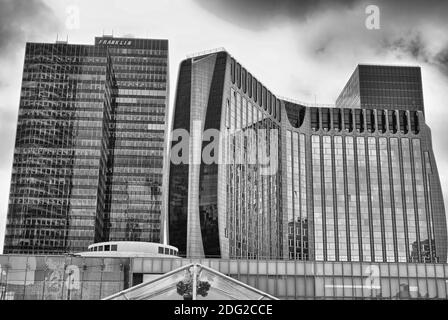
[233,203]
[357,183]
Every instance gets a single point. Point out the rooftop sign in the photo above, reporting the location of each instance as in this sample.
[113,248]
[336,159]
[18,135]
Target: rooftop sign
[115,42]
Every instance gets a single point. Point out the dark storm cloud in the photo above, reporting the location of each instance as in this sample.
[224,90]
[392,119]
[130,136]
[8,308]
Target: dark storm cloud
[21,20]
[400,22]
[260,14]
[417,46]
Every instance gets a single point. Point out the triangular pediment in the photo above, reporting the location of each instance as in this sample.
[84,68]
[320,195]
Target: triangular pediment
[179,285]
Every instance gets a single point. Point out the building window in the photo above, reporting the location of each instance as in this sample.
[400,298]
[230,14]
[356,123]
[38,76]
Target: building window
[238,75]
[232,70]
[326,119]
[359,120]
[244,80]
[348,120]
[337,120]
[255,92]
[403,115]
[314,119]
[392,119]
[264,99]
[414,122]
[381,121]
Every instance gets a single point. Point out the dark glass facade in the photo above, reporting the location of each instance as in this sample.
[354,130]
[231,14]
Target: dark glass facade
[134,204]
[178,174]
[229,207]
[89,150]
[387,87]
[352,183]
[58,186]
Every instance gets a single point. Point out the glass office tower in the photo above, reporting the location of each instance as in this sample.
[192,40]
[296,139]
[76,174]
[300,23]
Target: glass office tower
[362,185]
[58,186]
[89,154]
[357,182]
[229,207]
[391,87]
[134,204]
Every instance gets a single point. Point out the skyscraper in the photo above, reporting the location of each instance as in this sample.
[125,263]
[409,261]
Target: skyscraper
[231,209]
[391,87]
[134,203]
[356,182]
[89,149]
[58,186]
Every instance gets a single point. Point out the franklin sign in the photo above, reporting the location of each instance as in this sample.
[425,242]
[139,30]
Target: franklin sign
[116,42]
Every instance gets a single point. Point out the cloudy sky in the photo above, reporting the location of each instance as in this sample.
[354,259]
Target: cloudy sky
[302,49]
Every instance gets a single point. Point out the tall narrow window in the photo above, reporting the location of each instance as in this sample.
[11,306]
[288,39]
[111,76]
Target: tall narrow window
[337,121]
[348,120]
[255,90]
[403,115]
[232,70]
[314,119]
[326,118]
[381,121]
[415,128]
[370,117]
[238,75]
[269,102]
[392,119]
[359,120]
[243,80]
[264,98]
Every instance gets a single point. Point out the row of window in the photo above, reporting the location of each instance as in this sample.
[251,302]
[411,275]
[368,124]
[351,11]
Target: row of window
[363,120]
[106,247]
[254,89]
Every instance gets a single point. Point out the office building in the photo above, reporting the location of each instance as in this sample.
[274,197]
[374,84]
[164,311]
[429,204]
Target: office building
[58,182]
[388,87]
[355,182]
[89,149]
[231,210]
[134,200]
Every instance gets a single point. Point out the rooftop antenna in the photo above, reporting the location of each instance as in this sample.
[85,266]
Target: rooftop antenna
[57,37]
